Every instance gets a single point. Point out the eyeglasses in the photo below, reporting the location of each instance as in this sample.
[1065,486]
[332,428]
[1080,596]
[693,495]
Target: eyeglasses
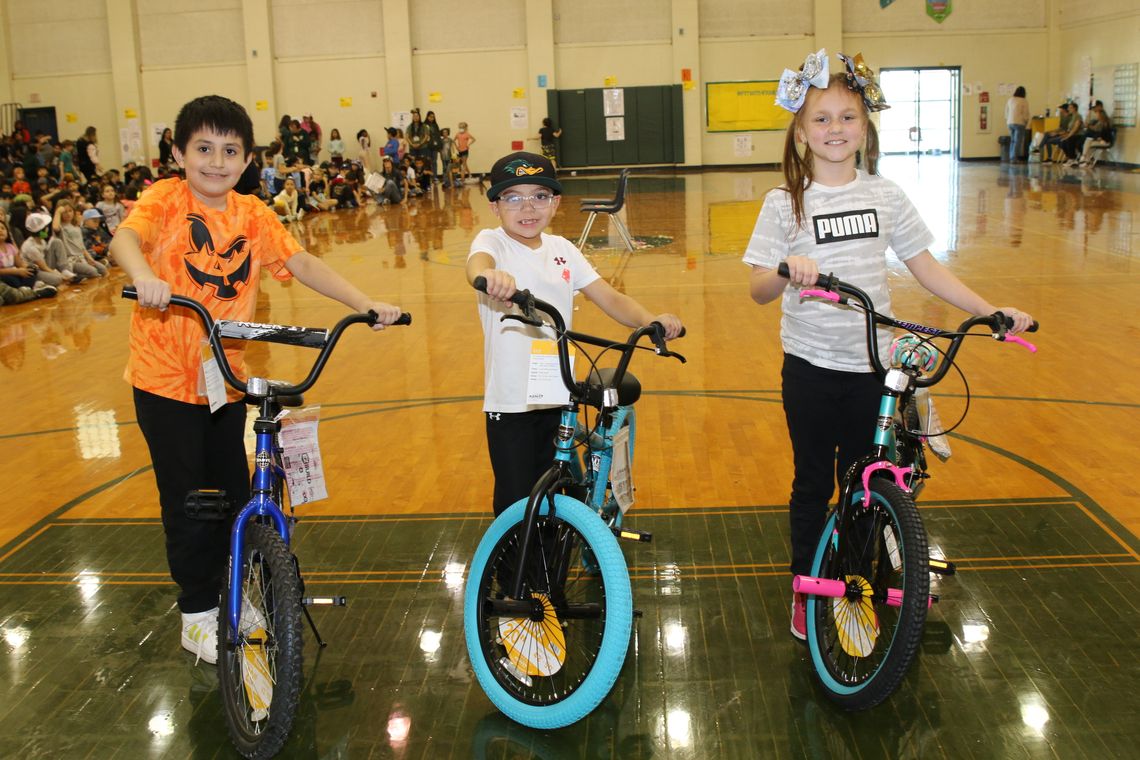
[538,200]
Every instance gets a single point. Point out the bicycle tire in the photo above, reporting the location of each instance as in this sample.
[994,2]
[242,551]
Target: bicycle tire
[266,654]
[860,660]
[595,648]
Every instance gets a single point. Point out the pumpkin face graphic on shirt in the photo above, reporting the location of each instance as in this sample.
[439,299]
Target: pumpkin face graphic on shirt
[222,269]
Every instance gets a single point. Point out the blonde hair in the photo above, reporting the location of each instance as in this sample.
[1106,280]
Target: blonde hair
[798,168]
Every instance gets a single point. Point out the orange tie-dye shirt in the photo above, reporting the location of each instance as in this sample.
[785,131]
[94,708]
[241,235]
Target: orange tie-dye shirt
[212,256]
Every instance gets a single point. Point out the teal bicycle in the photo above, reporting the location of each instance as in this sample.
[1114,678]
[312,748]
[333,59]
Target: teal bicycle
[548,610]
[869,588]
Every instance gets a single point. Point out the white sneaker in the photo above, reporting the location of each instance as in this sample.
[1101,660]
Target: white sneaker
[200,635]
[43,290]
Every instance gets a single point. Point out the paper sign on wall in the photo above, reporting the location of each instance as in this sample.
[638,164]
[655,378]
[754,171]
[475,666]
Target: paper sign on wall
[520,117]
[346,102]
[435,97]
[518,93]
[401,119]
[613,101]
[615,128]
[261,105]
[742,145]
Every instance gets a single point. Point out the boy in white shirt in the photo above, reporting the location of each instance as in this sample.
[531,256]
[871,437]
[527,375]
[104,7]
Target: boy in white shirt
[524,196]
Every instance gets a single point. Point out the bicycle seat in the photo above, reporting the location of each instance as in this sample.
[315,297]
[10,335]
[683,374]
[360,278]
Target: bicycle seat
[628,392]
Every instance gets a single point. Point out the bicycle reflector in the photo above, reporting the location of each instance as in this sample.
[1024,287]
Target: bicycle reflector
[908,351]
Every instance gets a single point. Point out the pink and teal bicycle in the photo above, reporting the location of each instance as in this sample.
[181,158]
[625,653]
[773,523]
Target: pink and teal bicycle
[869,589]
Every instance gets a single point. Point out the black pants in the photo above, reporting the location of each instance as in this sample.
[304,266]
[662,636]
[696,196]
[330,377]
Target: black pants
[828,412]
[521,446]
[192,449]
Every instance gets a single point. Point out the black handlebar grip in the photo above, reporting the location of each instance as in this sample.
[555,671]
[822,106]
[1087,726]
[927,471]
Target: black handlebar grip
[1009,323]
[520,298]
[130,292]
[405,319]
[822,281]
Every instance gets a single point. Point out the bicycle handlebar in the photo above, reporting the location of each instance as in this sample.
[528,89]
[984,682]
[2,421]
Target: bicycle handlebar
[370,318]
[526,301]
[835,290]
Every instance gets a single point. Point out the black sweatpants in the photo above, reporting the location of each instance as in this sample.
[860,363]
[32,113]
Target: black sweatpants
[192,449]
[831,421]
[521,446]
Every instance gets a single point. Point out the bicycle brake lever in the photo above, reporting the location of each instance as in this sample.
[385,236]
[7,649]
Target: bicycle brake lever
[1007,338]
[532,321]
[829,295]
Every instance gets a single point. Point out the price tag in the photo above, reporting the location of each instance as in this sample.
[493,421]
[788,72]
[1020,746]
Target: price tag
[621,471]
[544,382]
[301,456]
[211,384]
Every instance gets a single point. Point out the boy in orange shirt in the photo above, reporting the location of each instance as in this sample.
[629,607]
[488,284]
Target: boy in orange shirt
[197,238]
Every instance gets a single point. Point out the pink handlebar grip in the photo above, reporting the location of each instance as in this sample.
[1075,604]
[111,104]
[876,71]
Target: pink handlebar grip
[895,597]
[1020,341]
[806,584]
[830,295]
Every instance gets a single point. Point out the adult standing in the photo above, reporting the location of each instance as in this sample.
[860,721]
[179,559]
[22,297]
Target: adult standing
[1017,119]
[166,148]
[418,137]
[313,129]
[87,154]
[435,142]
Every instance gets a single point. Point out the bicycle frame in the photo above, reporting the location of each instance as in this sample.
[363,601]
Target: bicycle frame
[613,415]
[267,473]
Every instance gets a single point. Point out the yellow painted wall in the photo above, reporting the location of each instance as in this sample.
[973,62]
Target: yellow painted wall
[478,86]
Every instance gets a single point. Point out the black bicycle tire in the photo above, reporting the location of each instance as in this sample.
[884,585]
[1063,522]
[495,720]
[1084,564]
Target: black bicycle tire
[911,618]
[252,741]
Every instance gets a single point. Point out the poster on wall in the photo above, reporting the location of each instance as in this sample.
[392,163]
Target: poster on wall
[744,107]
[613,101]
[938,9]
[615,128]
[156,131]
[742,145]
[401,119]
[520,117]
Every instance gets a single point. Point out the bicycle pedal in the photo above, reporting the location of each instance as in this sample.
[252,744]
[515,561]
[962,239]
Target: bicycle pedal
[325,601]
[209,505]
[942,567]
[625,534]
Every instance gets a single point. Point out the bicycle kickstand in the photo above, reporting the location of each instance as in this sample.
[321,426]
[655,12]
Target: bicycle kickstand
[323,601]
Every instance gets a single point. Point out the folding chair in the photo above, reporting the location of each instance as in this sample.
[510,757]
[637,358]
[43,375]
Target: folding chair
[609,206]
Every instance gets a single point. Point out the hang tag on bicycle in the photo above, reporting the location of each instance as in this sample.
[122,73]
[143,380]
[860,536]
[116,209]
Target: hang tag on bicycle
[621,471]
[931,423]
[544,380]
[211,384]
[301,455]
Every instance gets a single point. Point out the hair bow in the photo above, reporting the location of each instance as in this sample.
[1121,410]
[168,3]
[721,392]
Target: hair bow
[794,84]
[861,79]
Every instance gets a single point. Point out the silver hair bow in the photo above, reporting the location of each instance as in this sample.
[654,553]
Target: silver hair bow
[794,84]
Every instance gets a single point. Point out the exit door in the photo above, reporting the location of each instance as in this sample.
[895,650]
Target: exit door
[925,111]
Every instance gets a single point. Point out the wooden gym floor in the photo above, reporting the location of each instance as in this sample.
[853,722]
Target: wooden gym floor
[1032,652]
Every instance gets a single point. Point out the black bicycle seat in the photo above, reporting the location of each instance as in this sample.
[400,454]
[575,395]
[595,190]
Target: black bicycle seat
[628,392]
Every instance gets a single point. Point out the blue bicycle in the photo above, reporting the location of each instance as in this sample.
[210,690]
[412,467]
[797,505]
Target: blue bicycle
[259,621]
[548,611]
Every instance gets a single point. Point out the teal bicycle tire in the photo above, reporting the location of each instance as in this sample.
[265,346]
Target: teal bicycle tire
[909,619]
[585,696]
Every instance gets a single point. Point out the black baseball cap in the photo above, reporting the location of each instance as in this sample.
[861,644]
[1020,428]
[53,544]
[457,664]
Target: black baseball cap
[522,168]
